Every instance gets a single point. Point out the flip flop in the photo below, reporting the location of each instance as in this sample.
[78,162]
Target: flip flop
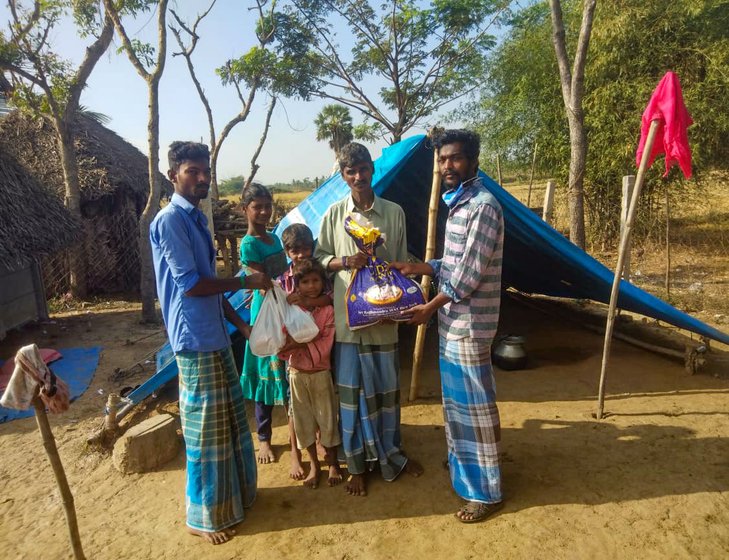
[478,510]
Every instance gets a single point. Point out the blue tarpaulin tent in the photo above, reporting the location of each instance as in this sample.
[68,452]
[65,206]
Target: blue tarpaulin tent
[537,258]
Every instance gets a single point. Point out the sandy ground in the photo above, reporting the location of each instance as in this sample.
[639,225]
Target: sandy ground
[649,481]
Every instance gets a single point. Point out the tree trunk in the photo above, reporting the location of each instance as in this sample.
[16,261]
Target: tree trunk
[572,82]
[147,283]
[72,200]
[578,160]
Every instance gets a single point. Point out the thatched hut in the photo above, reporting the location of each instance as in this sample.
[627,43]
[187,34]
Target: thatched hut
[33,224]
[114,191]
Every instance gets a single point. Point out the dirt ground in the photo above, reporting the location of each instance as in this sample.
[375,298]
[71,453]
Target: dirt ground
[649,481]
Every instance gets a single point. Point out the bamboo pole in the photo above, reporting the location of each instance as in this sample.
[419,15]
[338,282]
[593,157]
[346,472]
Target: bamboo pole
[531,175]
[49,443]
[624,240]
[425,282]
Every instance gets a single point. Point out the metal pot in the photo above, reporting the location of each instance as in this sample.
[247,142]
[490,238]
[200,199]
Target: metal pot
[508,352]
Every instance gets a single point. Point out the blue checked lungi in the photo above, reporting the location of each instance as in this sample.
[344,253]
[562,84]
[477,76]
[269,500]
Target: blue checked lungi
[221,465]
[369,407]
[472,426]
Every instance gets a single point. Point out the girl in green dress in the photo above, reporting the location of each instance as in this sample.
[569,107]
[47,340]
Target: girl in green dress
[263,379]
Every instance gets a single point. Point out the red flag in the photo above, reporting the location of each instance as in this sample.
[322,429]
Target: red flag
[666,106]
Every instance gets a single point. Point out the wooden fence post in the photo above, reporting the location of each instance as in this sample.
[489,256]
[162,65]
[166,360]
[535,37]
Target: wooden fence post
[548,203]
[628,185]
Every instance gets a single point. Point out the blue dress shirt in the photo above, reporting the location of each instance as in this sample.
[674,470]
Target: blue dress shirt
[183,253]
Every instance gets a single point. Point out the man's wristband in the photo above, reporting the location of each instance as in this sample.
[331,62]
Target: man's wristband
[344,263]
[242,278]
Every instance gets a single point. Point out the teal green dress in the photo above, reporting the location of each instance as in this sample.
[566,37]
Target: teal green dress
[263,379]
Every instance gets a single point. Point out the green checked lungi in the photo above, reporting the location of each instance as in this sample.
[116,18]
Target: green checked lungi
[221,465]
[368,382]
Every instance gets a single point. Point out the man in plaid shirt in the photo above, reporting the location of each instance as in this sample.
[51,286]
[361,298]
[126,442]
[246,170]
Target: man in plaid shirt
[469,291]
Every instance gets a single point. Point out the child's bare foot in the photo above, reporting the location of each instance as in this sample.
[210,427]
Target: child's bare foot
[335,475]
[297,469]
[321,451]
[213,537]
[413,468]
[265,453]
[357,485]
[312,480]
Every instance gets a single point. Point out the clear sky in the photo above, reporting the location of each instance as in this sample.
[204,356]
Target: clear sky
[115,89]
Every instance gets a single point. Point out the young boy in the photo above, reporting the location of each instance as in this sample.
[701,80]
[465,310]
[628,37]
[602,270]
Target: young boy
[298,242]
[313,402]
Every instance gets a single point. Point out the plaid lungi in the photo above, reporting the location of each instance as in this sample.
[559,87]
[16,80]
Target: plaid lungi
[221,465]
[472,426]
[369,407]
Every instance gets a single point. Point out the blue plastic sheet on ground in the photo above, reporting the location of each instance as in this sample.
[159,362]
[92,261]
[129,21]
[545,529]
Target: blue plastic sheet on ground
[76,368]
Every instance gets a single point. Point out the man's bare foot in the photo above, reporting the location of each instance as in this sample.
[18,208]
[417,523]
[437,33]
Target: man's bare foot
[297,469]
[265,453]
[213,537]
[335,475]
[357,485]
[413,468]
[312,480]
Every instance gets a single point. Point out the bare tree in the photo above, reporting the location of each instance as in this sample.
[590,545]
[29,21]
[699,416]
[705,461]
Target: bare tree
[139,55]
[186,52]
[573,88]
[277,64]
[264,135]
[32,65]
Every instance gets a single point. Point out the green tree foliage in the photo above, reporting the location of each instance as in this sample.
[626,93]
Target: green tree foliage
[633,44]
[407,61]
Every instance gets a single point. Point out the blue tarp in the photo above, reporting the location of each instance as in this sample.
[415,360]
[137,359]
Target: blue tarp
[537,258]
[76,368]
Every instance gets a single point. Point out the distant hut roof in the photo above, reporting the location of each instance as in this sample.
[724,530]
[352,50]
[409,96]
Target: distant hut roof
[107,162]
[33,222]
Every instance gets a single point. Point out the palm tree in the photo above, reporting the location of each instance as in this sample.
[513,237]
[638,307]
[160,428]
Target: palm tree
[334,123]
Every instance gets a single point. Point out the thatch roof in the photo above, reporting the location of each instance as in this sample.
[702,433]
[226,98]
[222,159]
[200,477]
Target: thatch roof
[33,222]
[107,162]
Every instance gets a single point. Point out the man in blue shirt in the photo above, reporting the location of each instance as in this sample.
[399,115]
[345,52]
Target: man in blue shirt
[221,466]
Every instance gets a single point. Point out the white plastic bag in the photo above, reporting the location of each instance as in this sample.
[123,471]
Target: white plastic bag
[267,335]
[300,324]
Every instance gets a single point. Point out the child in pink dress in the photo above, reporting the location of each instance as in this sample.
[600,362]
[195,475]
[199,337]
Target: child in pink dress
[298,243]
[313,400]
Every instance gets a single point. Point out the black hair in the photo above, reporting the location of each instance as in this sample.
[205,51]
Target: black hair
[352,154]
[309,266]
[181,151]
[469,140]
[297,235]
[255,190]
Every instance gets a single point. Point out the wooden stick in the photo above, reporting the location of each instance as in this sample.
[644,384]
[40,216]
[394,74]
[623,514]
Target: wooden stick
[624,240]
[668,245]
[49,443]
[548,209]
[425,282]
[531,176]
[498,169]
[628,186]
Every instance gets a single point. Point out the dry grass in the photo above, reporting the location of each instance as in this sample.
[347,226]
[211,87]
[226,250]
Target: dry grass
[285,198]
